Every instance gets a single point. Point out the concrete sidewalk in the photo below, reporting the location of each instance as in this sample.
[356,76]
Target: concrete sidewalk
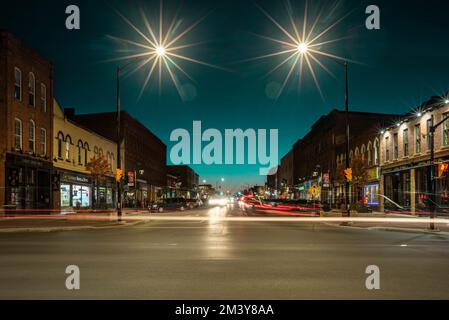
[38,224]
[442,229]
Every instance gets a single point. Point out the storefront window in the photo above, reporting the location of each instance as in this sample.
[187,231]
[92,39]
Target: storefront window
[80,196]
[372,194]
[65,195]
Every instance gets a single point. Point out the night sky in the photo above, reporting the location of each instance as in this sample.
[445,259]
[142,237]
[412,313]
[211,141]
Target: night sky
[401,65]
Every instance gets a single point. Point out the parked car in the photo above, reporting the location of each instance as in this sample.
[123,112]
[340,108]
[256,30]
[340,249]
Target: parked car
[169,204]
[194,203]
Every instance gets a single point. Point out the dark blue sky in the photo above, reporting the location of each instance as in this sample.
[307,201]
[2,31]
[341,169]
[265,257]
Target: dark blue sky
[402,64]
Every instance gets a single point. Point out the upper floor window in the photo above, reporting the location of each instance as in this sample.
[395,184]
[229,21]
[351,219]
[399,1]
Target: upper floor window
[80,152]
[60,141]
[445,130]
[17,84]
[31,89]
[395,146]
[32,137]
[368,151]
[86,151]
[376,152]
[17,134]
[43,97]
[429,127]
[387,149]
[405,141]
[418,138]
[95,152]
[68,142]
[43,142]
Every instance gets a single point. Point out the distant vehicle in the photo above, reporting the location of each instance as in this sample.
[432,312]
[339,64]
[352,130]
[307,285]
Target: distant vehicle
[169,204]
[218,201]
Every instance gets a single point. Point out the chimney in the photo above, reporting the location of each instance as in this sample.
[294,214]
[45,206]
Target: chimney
[69,113]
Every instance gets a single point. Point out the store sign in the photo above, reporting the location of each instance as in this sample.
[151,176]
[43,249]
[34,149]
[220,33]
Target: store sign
[131,181]
[373,173]
[75,179]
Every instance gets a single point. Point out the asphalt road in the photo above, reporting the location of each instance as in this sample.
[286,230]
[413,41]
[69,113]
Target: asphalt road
[212,259]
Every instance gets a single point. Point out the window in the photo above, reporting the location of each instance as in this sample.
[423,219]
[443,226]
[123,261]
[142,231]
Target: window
[376,152]
[31,137]
[17,134]
[43,98]
[405,141]
[80,151]
[86,150]
[418,138]
[68,142]
[369,153]
[17,84]
[31,88]
[60,140]
[387,149]
[445,130]
[95,152]
[395,146]
[43,142]
[429,126]
[363,151]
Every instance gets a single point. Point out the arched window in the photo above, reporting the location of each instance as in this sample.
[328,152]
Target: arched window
[31,88]
[68,142]
[350,155]
[369,153]
[60,140]
[362,152]
[17,134]
[17,84]
[356,153]
[376,152]
[86,151]
[100,152]
[32,137]
[95,152]
[80,152]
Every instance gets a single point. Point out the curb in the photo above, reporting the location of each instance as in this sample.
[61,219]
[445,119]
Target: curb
[77,228]
[391,229]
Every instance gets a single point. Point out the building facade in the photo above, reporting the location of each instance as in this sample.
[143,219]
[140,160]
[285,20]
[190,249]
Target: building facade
[187,180]
[317,155]
[74,147]
[405,158]
[143,154]
[26,93]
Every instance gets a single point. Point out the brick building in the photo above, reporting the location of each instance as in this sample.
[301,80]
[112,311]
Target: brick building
[317,154]
[187,178]
[74,147]
[143,154]
[405,158]
[26,95]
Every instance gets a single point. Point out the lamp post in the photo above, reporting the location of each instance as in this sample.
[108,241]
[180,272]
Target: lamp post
[302,49]
[433,180]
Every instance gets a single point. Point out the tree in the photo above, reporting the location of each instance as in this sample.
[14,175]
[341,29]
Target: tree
[99,168]
[359,175]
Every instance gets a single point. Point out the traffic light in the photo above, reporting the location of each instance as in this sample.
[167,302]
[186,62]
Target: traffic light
[442,168]
[348,174]
[118,175]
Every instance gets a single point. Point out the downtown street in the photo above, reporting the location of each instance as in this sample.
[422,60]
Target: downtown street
[210,258]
